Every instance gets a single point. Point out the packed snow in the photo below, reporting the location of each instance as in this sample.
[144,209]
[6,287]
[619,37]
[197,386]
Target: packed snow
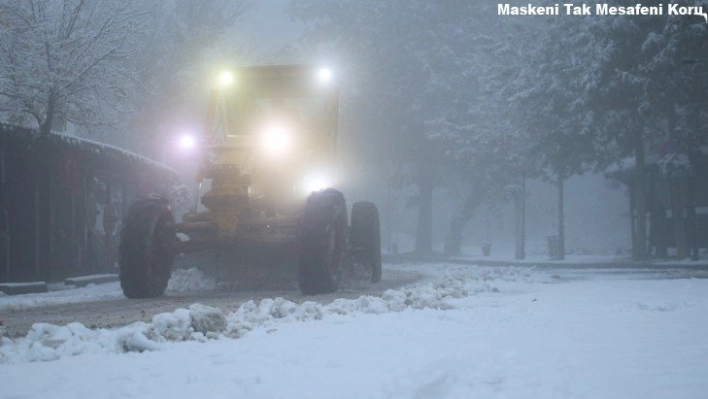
[464,331]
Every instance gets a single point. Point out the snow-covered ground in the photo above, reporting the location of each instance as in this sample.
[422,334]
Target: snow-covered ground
[465,332]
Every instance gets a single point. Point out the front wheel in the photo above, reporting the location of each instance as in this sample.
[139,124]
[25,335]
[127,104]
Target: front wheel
[322,240]
[145,250]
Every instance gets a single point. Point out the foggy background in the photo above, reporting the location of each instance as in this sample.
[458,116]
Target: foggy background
[597,210]
[447,110]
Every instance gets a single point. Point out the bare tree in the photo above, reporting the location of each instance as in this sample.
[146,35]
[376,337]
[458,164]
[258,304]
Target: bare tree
[66,58]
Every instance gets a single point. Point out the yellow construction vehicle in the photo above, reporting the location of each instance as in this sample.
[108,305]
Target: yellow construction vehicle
[265,207]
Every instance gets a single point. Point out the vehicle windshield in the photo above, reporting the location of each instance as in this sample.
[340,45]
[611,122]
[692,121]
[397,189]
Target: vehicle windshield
[251,114]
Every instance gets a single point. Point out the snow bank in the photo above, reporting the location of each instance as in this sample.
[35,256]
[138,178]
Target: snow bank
[50,342]
[200,323]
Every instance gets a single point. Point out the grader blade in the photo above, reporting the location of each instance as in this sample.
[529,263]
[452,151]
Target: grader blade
[248,265]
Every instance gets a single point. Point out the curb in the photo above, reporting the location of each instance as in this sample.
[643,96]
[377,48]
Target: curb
[36,287]
[397,259]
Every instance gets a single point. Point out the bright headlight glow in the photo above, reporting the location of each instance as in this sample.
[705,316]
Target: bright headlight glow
[226,78]
[277,140]
[316,182]
[187,142]
[325,75]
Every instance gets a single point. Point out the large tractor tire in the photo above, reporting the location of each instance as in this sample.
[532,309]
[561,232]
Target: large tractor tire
[365,238]
[322,240]
[145,251]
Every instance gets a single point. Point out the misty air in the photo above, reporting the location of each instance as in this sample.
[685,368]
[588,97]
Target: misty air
[353,199]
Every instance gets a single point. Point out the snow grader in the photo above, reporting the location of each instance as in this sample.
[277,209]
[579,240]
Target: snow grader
[265,205]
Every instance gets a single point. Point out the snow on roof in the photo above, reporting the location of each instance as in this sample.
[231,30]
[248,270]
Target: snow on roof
[89,146]
[99,148]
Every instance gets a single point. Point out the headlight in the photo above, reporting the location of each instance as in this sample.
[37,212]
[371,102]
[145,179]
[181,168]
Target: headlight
[316,182]
[324,75]
[226,79]
[276,140]
[187,142]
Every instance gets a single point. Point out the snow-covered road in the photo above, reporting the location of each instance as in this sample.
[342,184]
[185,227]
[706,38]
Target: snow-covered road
[104,306]
[463,332]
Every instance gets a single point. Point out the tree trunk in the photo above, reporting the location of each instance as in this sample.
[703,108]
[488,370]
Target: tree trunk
[453,241]
[521,222]
[632,218]
[640,198]
[678,204]
[691,219]
[4,203]
[691,181]
[428,158]
[658,223]
[46,127]
[424,234]
[561,220]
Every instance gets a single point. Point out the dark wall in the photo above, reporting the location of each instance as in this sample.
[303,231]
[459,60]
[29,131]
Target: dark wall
[62,200]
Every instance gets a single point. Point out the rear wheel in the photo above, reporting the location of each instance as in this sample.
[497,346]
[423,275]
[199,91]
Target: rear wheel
[145,250]
[322,239]
[365,238]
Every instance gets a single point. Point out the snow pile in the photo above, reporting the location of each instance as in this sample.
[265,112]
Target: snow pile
[440,295]
[201,323]
[268,313]
[188,280]
[50,342]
